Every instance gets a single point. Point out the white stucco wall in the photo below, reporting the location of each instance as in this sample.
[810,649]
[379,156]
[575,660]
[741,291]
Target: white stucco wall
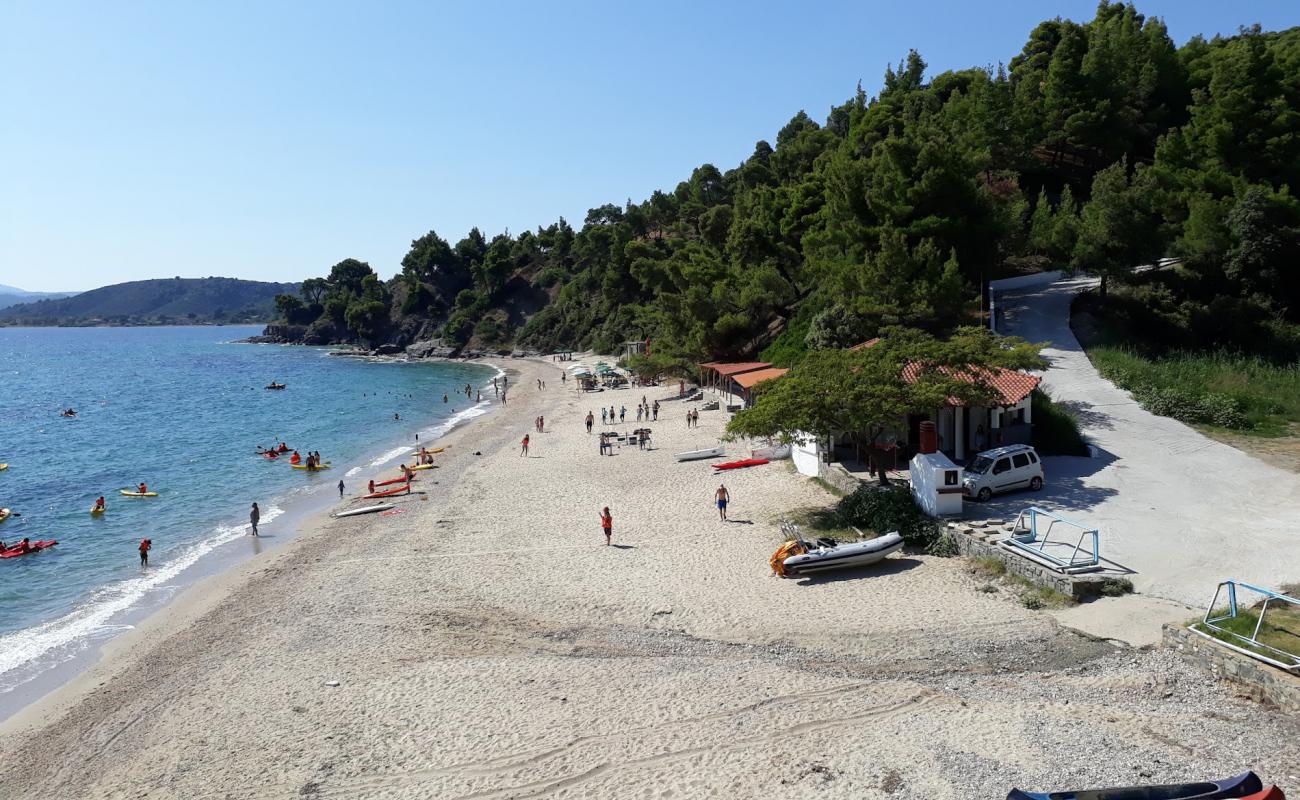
[805,454]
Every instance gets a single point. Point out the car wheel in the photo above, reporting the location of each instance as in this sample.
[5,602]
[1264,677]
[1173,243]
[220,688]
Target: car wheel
[1036,484]
[985,494]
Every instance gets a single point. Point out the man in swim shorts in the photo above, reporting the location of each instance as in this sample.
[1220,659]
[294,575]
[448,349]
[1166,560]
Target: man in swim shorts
[723,497]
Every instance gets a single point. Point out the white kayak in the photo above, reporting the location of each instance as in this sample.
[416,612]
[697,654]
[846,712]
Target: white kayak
[838,556]
[365,510]
[696,455]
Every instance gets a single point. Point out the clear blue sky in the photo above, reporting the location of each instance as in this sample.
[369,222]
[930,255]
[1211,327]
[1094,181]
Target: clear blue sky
[270,140]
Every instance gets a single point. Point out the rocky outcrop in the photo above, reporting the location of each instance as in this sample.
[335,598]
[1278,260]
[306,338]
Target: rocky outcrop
[432,348]
[279,334]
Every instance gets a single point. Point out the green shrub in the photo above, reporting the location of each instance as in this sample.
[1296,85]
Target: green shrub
[1056,431]
[889,508]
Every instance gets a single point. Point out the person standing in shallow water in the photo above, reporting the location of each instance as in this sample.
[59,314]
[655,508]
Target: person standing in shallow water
[253,517]
[145,544]
[341,487]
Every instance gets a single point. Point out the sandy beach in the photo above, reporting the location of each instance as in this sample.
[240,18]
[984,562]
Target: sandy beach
[485,643]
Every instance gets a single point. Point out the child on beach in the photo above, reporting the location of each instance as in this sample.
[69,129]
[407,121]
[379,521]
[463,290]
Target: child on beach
[607,524]
[145,544]
[340,488]
[524,451]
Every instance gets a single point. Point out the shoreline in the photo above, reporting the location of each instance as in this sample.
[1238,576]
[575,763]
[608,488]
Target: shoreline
[298,516]
[486,643]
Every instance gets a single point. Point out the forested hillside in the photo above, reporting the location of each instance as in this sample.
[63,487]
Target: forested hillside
[1098,146]
[178,301]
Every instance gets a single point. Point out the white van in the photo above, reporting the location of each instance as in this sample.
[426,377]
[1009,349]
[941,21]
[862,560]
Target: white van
[1015,466]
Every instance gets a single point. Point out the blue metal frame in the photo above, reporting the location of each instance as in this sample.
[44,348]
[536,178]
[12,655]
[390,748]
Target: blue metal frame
[1292,663]
[1031,542]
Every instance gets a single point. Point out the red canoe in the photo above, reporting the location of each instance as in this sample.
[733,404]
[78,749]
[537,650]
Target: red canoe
[1271,793]
[36,547]
[391,481]
[387,492]
[744,462]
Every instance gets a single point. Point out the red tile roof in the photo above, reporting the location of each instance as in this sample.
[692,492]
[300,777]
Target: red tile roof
[749,379]
[1012,384]
[723,368]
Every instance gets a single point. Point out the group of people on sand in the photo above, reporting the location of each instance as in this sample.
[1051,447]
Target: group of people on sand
[647,411]
[540,424]
[423,456]
[693,418]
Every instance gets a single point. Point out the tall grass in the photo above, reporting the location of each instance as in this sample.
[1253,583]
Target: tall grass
[1220,390]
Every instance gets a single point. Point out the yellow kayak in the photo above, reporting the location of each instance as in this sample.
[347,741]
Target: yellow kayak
[326,465]
[125,493]
[4,514]
[3,467]
[96,511]
[419,467]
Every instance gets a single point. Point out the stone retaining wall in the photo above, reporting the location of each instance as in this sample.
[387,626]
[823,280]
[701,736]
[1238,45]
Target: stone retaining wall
[1262,682]
[983,544]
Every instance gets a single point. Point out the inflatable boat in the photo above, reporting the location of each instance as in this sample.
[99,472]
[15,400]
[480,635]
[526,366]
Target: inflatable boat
[1243,786]
[829,555]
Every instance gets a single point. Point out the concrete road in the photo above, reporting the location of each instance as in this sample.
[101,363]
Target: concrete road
[1182,510]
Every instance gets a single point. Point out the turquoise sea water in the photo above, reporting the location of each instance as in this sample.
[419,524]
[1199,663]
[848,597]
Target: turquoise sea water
[181,409]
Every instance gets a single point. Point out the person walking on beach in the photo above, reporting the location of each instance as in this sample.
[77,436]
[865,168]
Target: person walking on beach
[590,419]
[602,415]
[622,412]
[723,497]
[607,525]
[253,517]
[611,415]
[341,487]
[524,451]
[145,544]
[656,411]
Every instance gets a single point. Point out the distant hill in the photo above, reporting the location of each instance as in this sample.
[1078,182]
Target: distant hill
[163,301]
[12,295]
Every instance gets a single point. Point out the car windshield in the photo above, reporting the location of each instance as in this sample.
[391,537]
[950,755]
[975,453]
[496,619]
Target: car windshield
[980,465]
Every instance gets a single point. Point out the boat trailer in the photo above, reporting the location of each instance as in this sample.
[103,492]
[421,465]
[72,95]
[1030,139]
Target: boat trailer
[1212,627]
[1031,540]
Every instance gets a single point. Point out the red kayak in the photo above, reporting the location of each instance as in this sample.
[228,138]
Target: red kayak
[744,462]
[33,547]
[387,492]
[271,455]
[392,481]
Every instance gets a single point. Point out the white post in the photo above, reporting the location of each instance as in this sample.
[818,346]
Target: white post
[960,448]
[1029,409]
[993,311]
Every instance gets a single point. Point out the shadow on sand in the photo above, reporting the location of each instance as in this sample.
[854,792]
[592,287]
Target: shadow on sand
[890,566]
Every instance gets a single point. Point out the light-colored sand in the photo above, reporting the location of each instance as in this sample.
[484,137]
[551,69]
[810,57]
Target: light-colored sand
[487,644]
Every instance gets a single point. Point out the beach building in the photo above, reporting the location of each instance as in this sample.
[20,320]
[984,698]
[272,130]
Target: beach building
[734,381]
[961,430]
